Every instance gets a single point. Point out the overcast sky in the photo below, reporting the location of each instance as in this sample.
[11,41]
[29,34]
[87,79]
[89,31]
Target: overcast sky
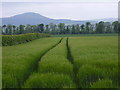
[67,9]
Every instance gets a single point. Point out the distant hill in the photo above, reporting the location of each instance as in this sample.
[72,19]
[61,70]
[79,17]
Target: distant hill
[35,18]
[106,19]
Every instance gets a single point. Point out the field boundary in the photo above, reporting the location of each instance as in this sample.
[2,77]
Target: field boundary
[9,40]
[34,68]
[85,35]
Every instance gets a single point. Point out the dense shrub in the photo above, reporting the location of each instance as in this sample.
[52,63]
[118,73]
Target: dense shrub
[9,40]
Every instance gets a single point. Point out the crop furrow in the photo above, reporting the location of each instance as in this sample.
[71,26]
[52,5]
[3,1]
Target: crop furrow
[34,68]
[70,58]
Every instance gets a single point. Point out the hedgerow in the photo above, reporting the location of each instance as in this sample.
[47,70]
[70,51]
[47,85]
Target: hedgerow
[9,40]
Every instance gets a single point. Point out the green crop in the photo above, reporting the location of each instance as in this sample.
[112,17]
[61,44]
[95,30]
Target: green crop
[20,60]
[103,84]
[95,58]
[54,71]
[82,62]
[56,60]
[49,80]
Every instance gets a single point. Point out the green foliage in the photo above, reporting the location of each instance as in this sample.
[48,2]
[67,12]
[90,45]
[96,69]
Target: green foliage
[20,60]
[95,63]
[21,27]
[9,40]
[9,27]
[95,58]
[116,26]
[49,80]
[62,28]
[88,27]
[54,71]
[103,84]
[41,28]
[56,61]
[9,81]
[100,27]
[88,74]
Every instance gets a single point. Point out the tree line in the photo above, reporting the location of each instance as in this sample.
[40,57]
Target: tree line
[61,28]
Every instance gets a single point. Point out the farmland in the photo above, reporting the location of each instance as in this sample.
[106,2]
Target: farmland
[95,60]
[20,60]
[62,62]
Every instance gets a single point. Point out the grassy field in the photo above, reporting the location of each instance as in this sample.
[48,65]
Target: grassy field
[74,62]
[20,60]
[95,59]
[54,70]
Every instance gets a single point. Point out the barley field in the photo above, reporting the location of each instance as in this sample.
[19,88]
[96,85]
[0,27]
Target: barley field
[62,62]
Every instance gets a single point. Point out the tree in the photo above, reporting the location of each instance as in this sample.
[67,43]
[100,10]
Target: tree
[17,30]
[41,28]
[61,27]
[88,27]
[34,29]
[73,29]
[77,29]
[100,27]
[108,28]
[9,28]
[14,27]
[116,26]
[82,28]
[7,32]
[67,30]
[21,27]
[4,29]
[53,28]
[28,28]
[47,29]
[92,28]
